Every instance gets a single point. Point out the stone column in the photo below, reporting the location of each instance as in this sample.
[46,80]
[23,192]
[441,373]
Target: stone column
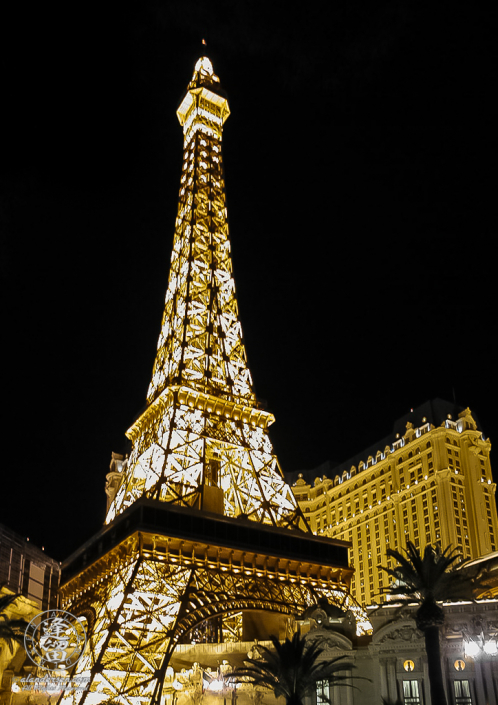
[479,684]
[427,683]
[349,693]
[392,685]
[384,693]
[491,692]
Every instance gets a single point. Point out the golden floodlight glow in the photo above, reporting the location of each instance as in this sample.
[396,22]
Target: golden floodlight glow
[201,444]
[203,425]
[204,64]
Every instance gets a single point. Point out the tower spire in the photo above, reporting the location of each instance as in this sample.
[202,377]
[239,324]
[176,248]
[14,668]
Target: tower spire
[200,344]
[202,441]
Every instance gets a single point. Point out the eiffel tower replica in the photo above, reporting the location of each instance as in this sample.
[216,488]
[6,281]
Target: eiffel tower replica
[200,523]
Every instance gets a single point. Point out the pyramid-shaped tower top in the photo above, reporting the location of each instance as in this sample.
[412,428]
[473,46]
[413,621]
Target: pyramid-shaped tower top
[200,345]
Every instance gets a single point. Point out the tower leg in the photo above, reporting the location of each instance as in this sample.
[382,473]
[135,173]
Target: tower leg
[135,614]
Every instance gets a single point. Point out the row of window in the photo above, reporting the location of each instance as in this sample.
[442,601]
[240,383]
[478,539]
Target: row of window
[411,690]
[454,463]
[369,561]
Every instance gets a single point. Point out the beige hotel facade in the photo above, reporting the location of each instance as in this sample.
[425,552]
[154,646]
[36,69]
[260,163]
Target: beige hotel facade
[431,483]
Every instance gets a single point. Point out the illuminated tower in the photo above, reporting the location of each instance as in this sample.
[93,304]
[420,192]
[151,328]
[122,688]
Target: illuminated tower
[200,522]
[202,442]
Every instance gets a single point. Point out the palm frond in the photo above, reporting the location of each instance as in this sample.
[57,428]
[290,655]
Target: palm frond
[292,668]
[7,601]
[432,577]
[11,630]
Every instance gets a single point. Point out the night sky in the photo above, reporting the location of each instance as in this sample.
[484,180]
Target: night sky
[359,187]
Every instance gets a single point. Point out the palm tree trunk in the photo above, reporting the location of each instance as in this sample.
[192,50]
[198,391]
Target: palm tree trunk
[294,700]
[432,647]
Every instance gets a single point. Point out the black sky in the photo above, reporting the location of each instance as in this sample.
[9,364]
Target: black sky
[359,189]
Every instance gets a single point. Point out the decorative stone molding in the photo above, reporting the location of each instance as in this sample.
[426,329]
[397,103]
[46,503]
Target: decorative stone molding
[401,630]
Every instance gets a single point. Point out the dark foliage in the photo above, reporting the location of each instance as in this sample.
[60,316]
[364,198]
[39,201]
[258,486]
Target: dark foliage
[11,630]
[293,669]
[427,581]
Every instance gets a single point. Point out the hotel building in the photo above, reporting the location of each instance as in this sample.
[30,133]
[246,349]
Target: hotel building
[429,482]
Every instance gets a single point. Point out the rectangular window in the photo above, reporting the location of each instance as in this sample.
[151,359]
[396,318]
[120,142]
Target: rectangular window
[411,693]
[322,693]
[461,690]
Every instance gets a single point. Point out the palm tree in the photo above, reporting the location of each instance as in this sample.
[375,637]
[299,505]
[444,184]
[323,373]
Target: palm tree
[11,630]
[293,669]
[427,581]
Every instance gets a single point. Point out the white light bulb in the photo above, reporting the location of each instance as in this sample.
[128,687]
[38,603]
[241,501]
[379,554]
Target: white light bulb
[471,649]
[491,648]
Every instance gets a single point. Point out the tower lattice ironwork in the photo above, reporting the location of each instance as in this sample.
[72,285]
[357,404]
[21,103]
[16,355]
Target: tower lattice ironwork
[200,520]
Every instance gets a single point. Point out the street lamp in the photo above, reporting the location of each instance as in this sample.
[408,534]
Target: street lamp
[225,686]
